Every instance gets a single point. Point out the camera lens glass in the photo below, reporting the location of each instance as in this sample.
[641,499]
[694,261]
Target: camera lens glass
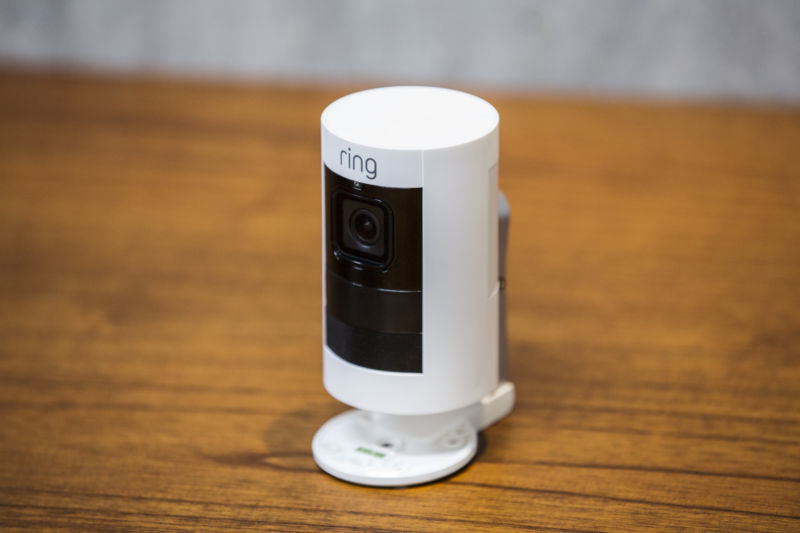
[365,226]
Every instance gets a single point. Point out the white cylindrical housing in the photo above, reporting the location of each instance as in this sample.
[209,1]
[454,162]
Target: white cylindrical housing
[446,143]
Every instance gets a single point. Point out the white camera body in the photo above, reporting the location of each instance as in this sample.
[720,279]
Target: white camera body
[412,282]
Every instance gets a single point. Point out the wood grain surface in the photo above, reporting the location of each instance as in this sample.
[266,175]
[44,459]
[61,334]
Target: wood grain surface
[160,332]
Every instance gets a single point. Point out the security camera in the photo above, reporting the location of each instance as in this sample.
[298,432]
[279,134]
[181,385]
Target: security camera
[415,233]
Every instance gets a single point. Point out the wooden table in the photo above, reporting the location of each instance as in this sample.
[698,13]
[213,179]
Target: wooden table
[160,362]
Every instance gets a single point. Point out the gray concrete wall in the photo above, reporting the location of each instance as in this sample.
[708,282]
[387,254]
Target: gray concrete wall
[744,49]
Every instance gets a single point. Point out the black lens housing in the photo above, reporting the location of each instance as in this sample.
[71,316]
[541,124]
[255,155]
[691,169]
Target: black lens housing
[363,229]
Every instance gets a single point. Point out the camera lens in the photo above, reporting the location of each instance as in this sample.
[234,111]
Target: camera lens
[364,226]
[362,229]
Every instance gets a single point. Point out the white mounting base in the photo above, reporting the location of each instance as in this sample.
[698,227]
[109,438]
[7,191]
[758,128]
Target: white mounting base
[365,448]
[393,450]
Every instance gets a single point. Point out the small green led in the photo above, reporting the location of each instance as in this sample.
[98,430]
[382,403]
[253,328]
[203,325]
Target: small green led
[373,453]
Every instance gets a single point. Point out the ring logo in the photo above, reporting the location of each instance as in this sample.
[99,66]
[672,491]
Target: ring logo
[368,166]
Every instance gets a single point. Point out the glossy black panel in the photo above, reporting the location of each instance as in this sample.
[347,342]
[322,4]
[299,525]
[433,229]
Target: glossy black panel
[394,260]
[393,352]
[370,308]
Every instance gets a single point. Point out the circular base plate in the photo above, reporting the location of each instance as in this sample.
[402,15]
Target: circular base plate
[356,447]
